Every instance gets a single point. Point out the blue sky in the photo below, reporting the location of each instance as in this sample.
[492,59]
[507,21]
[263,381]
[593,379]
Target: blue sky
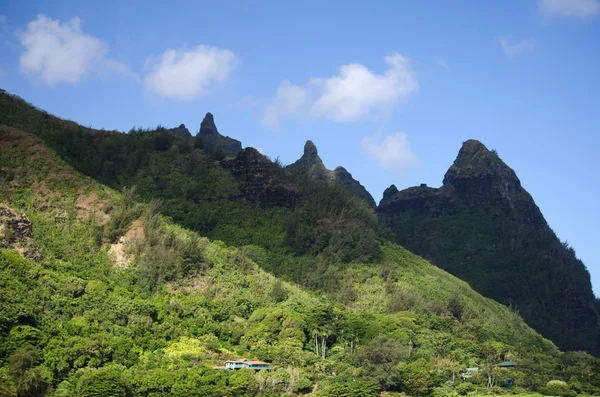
[388,89]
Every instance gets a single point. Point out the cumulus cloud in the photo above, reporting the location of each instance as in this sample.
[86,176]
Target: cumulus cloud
[58,52]
[569,8]
[515,48]
[290,100]
[187,74]
[391,152]
[353,94]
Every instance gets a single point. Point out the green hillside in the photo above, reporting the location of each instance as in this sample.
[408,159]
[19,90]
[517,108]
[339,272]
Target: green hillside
[107,291]
[483,227]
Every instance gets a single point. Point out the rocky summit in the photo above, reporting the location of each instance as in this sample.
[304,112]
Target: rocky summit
[483,227]
[211,140]
[311,165]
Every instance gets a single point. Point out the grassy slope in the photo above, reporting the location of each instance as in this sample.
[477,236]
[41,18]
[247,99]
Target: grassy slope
[224,306]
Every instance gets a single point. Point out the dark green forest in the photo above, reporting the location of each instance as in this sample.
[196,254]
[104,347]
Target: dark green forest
[132,263]
[484,228]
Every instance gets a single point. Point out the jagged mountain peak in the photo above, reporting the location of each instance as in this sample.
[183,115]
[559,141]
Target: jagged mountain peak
[310,149]
[310,164]
[474,160]
[390,191]
[473,146]
[208,124]
[486,229]
[213,141]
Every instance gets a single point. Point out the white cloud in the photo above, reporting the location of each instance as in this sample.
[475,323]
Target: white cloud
[569,8]
[186,74]
[391,152]
[58,52]
[353,94]
[290,100]
[442,62]
[515,48]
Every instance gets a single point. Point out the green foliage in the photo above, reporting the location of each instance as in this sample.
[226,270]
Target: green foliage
[302,385]
[278,293]
[76,322]
[103,382]
[558,388]
[338,387]
[125,212]
[30,379]
[464,388]
[416,379]
[489,232]
[380,359]
[443,392]
[332,223]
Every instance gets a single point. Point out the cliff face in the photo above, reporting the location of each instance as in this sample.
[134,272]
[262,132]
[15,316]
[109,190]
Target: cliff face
[260,180]
[211,140]
[311,165]
[16,233]
[483,227]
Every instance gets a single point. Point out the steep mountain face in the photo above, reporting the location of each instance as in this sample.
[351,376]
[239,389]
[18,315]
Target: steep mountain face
[311,165]
[260,180]
[483,227]
[210,140]
[95,314]
[317,242]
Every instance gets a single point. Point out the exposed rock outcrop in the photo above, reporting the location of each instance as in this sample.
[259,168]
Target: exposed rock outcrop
[261,180]
[483,227]
[310,164]
[120,252]
[212,141]
[16,233]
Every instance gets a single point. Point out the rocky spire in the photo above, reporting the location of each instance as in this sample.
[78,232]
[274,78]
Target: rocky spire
[311,164]
[310,150]
[214,142]
[208,125]
[390,191]
[474,160]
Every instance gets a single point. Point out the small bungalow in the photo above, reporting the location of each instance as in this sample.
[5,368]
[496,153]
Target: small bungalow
[469,373]
[243,363]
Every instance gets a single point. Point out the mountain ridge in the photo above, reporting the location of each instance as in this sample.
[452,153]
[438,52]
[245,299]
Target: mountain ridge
[482,226]
[146,328]
[311,165]
[215,209]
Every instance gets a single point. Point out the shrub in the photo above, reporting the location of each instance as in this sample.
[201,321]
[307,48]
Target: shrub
[443,392]
[302,385]
[464,388]
[518,391]
[557,388]
[496,390]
